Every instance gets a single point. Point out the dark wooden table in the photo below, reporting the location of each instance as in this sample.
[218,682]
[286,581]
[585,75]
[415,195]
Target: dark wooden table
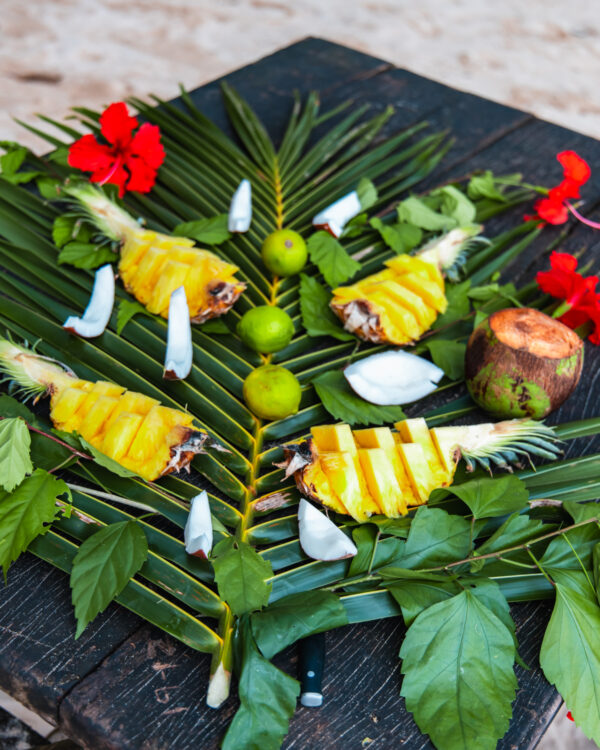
[125,685]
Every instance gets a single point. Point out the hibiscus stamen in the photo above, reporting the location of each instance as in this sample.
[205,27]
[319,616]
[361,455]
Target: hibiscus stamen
[116,165]
[582,219]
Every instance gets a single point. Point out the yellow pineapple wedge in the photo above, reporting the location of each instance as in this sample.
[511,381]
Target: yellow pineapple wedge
[132,429]
[152,265]
[399,304]
[379,470]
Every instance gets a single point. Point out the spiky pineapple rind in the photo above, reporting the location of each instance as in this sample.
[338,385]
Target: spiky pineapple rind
[109,218]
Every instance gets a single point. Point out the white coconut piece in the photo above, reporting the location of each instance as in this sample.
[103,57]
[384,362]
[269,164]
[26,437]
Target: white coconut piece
[334,218]
[178,357]
[198,533]
[320,538]
[393,377]
[240,210]
[99,309]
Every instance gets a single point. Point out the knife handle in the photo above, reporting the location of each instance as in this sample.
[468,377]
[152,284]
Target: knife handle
[312,664]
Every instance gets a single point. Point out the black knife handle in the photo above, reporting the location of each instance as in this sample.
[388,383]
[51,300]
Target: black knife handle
[312,664]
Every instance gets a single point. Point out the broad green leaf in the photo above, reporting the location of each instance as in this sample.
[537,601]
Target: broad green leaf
[85,255]
[10,407]
[414,211]
[25,513]
[267,697]
[516,530]
[596,568]
[582,511]
[63,230]
[106,461]
[294,617]
[331,259]
[484,186]
[365,538]
[367,193]
[415,596]
[570,656]
[216,326]
[126,310]
[15,461]
[400,237]
[456,204]
[435,537]
[459,682]
[241,575]
[488,498]
[209,231]
[48,186]
[458,304]
[19,178]
[318,318]
[103,566]
[12,160]
[342,403]
[560,552]
[449,355]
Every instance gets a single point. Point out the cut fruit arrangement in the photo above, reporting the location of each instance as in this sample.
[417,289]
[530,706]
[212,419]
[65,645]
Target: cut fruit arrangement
[249,565]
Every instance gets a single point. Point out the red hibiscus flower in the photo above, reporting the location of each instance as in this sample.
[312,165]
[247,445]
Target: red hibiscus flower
[570,716]
[580,301]
[126,159]
[555,209]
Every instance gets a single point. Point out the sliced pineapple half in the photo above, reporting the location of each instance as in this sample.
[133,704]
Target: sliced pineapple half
[379,470]
[152,265]
[400,303]
[132,429]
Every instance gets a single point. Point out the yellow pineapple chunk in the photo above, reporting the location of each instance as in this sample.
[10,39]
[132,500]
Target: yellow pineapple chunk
[416,431]
[317,486]
[381,481]
[340,469]
[403,264]
[171,277]
[95,419]
[120,435]
[64,406]
[146,275]
[431,292]
[382,437]
[133,249]
[104,388]
[150,436]
[417,469]
[424,314]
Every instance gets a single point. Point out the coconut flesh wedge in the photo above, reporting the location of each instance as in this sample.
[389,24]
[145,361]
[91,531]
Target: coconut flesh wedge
[393,377]
[178,357]
[99,309]
[198,533]
[320,538]
[240,210]
[334,218]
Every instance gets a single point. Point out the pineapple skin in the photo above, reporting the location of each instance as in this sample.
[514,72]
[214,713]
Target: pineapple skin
[393,306]
[153,265]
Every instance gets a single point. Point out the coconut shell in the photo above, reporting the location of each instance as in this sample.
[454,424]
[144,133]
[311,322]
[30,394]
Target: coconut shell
[522,363]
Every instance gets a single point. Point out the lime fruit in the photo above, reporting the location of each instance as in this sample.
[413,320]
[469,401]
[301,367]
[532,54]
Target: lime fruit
[272,392]
[284,252]
[266,329]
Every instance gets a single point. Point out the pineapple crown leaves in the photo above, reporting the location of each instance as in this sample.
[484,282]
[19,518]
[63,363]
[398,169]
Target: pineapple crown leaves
[290,183]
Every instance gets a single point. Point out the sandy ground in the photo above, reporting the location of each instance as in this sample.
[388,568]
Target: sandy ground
[540,55]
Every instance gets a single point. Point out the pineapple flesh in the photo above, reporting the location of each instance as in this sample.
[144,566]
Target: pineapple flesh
[383,471]
[131,428]
[152,265]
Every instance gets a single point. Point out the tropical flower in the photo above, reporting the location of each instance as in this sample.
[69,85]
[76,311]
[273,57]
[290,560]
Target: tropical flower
[127,159]
[555,208]
[580,301]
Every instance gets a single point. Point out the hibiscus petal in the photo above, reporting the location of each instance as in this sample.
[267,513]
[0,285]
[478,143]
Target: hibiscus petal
[142,177]
[562,261]
[554,283]
[575,168]
[552,211]
[116,124]
[88,155]
[146,144]
[115,174]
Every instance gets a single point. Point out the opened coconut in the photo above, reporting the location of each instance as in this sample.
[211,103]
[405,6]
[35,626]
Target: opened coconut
[521,362]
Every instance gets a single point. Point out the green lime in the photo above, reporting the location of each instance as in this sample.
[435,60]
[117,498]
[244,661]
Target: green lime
[284,252]
[266,329]
[272,392]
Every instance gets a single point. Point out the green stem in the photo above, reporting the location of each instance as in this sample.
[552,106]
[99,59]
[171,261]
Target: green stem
[539,566]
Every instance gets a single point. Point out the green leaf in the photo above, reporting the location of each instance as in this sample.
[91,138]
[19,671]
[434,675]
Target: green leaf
[63,230]
[367,193]
[241,575]
[103,566]
[435,537]
[517,529]
[103,460]
[415,596]
[25,512]
[342,403]
[126,310]
[19,178]
[15,462]
[484,186]
[12,160]
[318,318]
[10,407]
[488,498]
[400,237]
[267,697]
[570,656]
[458,304]
[414,211]
[209,231]
[365,538]
[560,552]
[215,326]
[331,259]
[85,255]
[582,511]
[459,681]
[294,617]
[456,204]
[48,187]
[450,356]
